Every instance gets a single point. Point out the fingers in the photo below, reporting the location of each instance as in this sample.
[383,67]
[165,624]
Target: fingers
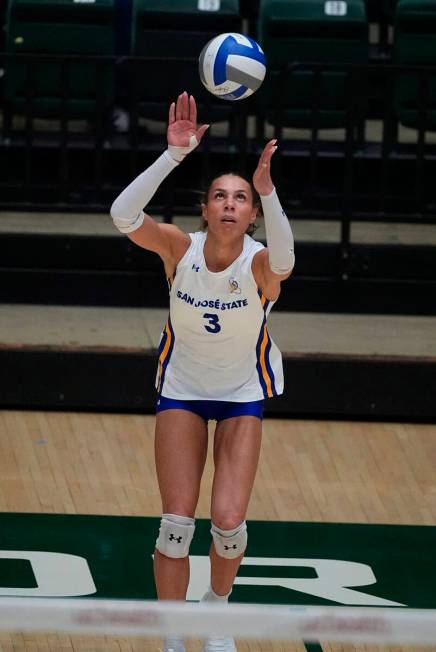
[262,175]
[270,148]
[186,108]
[172,113]
[200,132]
[268,151]
[182,107]
[192,110]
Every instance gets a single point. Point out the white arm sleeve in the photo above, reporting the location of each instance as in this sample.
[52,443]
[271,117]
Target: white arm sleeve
[126,211]
[279,237]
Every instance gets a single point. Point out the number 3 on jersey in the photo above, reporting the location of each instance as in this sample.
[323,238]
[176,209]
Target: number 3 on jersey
[213,326]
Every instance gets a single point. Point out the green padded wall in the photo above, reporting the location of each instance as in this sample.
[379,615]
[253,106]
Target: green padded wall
[58,27]
[309,31]
[177,29]
[415,43]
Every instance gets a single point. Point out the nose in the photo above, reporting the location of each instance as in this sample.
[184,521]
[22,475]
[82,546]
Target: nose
[230,203]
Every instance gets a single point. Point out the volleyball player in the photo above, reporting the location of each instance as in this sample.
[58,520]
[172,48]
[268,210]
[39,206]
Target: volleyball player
[217,360]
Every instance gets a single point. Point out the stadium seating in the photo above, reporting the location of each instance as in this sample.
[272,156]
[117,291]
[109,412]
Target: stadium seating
[176,30]
[2,24]
[308,31]
[415,43]
[59,27]
[389,9]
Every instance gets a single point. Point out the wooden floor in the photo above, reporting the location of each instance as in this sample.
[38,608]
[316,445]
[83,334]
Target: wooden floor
[309,471]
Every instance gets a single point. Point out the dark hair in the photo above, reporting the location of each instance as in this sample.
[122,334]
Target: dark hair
[256,199]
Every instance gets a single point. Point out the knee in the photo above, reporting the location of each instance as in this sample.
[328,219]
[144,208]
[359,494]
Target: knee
[226,520]
[230,543]
[175,535]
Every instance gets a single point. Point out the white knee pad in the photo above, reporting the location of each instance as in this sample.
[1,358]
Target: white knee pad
[175,535]
[230,543]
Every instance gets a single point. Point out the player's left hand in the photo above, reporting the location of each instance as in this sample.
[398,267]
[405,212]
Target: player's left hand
[262,175]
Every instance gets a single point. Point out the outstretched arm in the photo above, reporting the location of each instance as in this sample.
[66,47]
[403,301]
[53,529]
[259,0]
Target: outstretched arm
[183,135]
[277,262]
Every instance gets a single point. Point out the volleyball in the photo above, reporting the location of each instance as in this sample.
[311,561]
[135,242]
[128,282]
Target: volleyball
[232,66]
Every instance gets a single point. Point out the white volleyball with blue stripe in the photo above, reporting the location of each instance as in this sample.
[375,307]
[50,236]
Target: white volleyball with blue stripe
[232,66]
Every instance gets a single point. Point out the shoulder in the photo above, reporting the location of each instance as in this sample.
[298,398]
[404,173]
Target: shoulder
[191,247]
[192,244]
[179,240]
[251,248]
[267,281]
[258,265]
[167,240]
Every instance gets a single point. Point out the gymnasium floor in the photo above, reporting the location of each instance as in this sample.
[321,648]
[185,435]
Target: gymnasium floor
[340,472]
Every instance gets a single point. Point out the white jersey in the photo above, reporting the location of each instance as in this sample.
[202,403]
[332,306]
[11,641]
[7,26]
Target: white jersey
[215,344]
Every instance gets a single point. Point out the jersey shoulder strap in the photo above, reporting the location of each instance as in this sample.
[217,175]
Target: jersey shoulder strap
[197,241]
[251,247]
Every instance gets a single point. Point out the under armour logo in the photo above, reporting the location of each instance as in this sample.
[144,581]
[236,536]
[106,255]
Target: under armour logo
[234,547]
[173,538]
[196,267]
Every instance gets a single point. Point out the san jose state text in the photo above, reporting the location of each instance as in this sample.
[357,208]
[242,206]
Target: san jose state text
[217,304]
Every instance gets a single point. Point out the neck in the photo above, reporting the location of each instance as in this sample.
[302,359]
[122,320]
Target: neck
[219,255]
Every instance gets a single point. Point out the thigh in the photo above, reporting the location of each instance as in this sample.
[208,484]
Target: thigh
[236,455]
[180,455]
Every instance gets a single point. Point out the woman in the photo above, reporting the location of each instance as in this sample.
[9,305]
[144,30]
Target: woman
[216,361]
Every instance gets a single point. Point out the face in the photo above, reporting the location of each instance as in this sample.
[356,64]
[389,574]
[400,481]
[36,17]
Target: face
[229,208]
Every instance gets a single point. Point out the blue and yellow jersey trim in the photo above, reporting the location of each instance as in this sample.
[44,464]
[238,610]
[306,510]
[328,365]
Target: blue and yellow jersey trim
[165,349]
[263,348]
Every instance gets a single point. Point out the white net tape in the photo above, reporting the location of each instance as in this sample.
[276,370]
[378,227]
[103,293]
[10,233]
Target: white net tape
[141,618]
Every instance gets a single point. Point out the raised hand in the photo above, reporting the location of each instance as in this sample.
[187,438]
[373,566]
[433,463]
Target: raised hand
[262,175]
[182,122]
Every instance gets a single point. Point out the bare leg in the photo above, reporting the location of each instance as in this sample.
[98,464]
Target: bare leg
[223,571]
[180,453]
[171,577]
[236,455]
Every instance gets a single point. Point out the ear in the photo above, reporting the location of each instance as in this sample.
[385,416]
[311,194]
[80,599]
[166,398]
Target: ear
[204,210]
[254,213]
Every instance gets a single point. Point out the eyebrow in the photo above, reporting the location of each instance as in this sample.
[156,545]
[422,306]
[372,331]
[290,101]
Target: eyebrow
[224,190]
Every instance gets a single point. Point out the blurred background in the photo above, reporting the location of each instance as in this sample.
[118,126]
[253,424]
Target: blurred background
[350,93]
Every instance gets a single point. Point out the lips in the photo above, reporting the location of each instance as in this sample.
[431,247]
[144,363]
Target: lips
[228,219]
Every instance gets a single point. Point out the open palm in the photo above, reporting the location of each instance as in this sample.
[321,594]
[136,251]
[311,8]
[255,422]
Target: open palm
[182,122]
[262,175]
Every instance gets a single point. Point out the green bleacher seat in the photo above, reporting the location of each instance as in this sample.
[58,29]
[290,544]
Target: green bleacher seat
[415,44]
[389,7]
[311,31]
[176,29]
[181,27]
[59,27]
[2,24]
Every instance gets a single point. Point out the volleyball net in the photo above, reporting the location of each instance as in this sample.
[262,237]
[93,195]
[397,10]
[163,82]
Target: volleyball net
[353,625]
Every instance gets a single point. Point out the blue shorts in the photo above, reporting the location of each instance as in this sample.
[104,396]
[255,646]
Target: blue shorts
[216,410]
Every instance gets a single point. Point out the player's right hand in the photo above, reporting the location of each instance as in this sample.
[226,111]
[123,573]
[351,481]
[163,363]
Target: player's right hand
[182,123]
